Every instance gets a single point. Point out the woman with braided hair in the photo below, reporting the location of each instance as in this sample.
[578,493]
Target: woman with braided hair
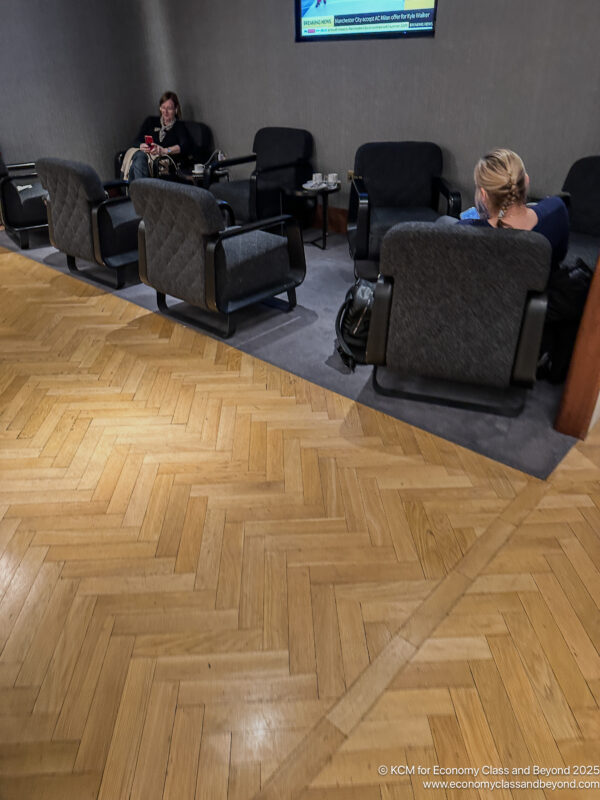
[501,185]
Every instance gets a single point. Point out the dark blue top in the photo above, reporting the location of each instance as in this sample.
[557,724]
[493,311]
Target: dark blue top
[553,223]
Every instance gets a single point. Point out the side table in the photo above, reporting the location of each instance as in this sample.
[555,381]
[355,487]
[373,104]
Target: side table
[197,178]
[323,192]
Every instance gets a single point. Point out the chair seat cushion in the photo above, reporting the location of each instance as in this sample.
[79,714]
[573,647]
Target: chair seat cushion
[118,225]
[24,202]
[581,245]
[382,218]
[254,262]
[237,194]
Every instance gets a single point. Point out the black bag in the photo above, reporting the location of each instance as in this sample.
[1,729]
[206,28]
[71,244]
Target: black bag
[567,292]
[352,323]
[162,167]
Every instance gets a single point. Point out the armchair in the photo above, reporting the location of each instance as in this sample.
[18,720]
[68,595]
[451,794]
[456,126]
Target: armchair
[84,223]
[282,157]
[458,315]
[583,186]
[393,182]
[21,201]
[187,253]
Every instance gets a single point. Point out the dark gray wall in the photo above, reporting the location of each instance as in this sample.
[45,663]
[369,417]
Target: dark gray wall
[523,74]
[78,77]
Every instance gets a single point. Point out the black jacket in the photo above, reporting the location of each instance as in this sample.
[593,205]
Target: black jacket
[178,135]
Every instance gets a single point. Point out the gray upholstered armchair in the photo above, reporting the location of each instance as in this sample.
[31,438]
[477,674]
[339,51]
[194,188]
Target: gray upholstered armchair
[187,252]
[84,222]
[458,315]
[393,182]
[583,187]
[282,158]
[22,206]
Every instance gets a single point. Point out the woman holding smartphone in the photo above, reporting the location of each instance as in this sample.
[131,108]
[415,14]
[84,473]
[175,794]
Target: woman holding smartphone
[165,135]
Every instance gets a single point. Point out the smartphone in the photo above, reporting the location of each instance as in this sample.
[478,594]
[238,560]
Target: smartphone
[148,140]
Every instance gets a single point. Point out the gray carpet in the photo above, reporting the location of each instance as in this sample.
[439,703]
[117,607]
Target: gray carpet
[303,342]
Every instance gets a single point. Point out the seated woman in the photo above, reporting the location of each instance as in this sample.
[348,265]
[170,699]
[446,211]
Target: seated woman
[501,185]
[169,138]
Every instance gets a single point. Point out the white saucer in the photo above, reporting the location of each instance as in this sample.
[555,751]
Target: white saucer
[316,187]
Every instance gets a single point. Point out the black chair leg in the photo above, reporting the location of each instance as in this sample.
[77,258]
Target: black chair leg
[120,277]
[220,324]
[24,240]
[281,305]
[118,282]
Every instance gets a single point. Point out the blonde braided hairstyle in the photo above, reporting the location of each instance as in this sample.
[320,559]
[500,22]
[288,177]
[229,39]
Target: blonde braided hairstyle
[502,175]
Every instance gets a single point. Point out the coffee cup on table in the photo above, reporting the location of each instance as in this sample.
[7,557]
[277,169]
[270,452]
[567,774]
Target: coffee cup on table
[198,169]
[332,179]
[317,177]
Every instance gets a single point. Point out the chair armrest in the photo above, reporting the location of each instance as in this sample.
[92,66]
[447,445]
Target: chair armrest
[380,318]
[24,165]
[48,204]
[119,161]
[359,216]
[259,224]
[530,339]
[210,169]
[142,259]
[275,167]
[114,184]
[20,176]
[97,211]
[453,198]
[215,253]
[227,212]
[119,184]
[564,196]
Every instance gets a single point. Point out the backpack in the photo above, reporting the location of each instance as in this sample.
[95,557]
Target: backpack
[567,292]
[352,323]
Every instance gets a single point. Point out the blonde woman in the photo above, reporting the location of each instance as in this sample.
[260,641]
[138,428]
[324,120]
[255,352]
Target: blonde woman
[501,185]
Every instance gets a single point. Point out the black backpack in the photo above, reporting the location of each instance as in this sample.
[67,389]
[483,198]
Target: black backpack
[567,292]
[352,323]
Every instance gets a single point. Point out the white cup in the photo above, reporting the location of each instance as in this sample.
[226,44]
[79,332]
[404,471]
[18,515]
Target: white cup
[317,177]
[332,179]
[198,169]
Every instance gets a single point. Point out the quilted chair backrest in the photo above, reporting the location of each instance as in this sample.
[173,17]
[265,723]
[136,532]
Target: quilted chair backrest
[399,174]
[583,183]
[458,299]
[73,189]
[178,220]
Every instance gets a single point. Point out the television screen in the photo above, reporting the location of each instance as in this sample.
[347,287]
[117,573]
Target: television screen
[321,20]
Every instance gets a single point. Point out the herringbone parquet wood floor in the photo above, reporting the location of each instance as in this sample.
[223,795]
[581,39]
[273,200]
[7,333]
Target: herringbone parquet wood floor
[219,581]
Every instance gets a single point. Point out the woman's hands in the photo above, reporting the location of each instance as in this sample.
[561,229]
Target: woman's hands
[154,150]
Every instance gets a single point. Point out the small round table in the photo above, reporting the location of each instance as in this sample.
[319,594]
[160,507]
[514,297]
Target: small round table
[323,193]
[197,178]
